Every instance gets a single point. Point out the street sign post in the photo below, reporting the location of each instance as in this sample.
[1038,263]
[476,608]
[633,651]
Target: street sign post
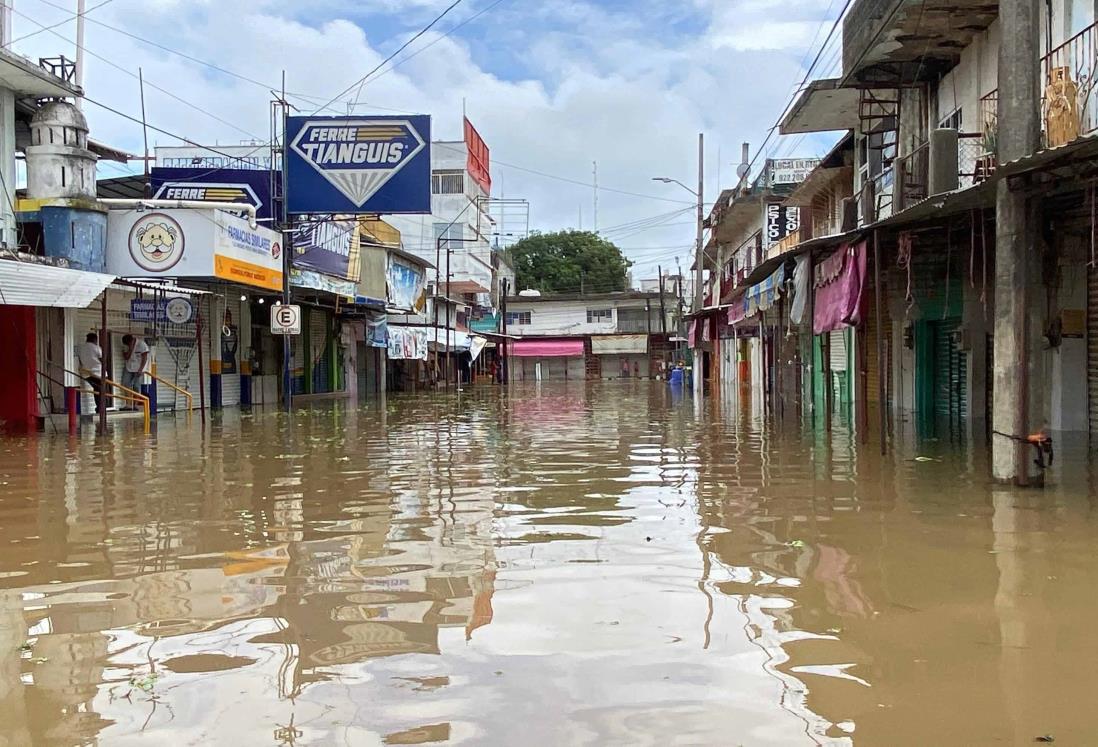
[286,319]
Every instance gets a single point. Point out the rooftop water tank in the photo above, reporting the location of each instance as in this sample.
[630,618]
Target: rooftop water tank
[59,164]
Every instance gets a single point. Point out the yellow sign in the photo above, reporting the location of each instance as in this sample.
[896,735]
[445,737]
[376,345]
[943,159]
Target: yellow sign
[247,273]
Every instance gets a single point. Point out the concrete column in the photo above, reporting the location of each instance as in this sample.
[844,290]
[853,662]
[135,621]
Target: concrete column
[7,167]
[1016,251]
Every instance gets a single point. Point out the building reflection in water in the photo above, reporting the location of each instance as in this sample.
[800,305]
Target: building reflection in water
[575,564]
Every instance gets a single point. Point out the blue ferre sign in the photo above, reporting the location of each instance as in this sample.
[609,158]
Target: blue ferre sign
[358,164]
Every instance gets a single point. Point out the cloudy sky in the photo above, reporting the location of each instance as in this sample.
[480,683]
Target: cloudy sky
[552,85]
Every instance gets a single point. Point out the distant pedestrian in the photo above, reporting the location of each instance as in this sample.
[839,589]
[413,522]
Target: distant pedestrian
[625,369]
[636,370]
[136,353]
[678,375]
[91,365]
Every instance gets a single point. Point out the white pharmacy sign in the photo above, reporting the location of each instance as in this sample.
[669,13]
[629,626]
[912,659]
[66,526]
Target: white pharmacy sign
[286,319]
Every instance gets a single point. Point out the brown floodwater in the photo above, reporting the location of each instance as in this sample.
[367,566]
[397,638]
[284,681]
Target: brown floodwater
[576,564]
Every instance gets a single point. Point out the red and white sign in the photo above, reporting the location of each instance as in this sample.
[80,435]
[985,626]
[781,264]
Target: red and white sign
[477,165]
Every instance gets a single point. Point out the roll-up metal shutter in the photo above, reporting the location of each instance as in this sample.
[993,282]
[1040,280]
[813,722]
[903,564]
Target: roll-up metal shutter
[950,371]
[230,382]
[1092,349]
[319,323]
[838,350]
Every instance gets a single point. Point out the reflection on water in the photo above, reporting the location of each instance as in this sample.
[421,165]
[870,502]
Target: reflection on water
[576,565]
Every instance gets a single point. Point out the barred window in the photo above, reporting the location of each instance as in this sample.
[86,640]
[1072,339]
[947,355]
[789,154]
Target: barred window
[448,182]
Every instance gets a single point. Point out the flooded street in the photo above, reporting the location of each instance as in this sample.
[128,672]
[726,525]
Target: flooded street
[578,564]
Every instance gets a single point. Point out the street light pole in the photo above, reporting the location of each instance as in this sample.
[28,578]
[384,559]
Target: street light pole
[698,272]
[699,255]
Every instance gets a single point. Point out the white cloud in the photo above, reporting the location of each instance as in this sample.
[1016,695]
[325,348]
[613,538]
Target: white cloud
[620,87]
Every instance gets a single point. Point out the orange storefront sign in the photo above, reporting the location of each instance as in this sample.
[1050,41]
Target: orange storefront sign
[247,273]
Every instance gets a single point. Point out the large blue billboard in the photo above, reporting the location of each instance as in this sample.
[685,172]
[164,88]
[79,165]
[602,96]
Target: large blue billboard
[252,186]
[358,164]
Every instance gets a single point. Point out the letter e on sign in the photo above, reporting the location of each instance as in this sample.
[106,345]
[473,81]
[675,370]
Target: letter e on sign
[285,319]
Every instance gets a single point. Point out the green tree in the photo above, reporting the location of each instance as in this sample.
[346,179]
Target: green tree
[567,262]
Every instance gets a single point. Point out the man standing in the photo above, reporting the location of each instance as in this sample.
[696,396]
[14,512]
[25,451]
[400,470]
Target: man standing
[136,353]
[91,364]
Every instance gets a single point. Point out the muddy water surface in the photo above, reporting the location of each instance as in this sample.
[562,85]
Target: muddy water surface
[577,565]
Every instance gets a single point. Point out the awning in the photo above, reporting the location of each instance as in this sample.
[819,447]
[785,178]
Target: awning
[304,278]
[619,344]
[441,338]
[762,296]
[132,286]
[839,281]
[546,348]
[27,284]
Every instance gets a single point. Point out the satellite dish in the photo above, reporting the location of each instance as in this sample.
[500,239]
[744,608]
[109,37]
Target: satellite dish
[742,169]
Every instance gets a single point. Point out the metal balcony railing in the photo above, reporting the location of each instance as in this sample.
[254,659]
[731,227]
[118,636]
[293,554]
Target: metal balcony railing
[906,181]
[1068,106]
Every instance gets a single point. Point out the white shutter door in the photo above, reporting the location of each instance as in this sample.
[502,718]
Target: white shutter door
[230,382]
[838,350]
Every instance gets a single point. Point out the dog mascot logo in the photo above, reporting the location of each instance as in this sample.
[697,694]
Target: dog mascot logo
[156,242]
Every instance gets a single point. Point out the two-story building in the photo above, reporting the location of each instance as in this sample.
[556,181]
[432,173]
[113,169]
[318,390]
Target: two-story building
[741,337]
[575,337]
[966,242]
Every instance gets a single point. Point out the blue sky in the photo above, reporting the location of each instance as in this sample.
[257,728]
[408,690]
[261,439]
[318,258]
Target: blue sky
[551,84]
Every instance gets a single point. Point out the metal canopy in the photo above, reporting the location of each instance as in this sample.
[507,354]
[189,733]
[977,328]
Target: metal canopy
[27,284]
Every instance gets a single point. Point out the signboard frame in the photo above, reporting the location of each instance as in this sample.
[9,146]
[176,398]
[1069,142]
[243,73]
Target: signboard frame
[354,164]
[281,324]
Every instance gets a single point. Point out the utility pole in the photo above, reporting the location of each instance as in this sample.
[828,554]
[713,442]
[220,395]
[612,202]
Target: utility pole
[663,307]
[698,272]
[78,73]
[503,330]
[1017,258]
[595,175]
[280,111]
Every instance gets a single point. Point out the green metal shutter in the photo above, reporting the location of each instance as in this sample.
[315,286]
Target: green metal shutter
[950,371]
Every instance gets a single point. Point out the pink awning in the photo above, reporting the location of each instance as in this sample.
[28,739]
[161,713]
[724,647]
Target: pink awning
[840,280]
[546,348]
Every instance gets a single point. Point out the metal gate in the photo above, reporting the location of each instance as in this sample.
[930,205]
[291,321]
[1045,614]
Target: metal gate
[1092,349]
[950,371]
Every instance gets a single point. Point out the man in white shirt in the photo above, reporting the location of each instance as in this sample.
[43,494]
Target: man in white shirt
[136,353]
[91,365]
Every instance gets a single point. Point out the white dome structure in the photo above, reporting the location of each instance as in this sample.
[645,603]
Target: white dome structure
[59,164]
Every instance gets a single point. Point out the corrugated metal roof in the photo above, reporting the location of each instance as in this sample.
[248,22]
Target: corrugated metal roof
[26,284]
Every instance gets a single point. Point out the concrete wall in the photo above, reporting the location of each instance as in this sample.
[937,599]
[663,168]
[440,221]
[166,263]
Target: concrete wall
[975,76]
[470,259]
[570,317]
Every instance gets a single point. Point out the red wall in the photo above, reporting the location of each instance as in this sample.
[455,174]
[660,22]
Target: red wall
[18,407]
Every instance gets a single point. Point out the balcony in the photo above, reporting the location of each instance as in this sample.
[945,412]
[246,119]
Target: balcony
[1068,106]
[906,181]
[894,42]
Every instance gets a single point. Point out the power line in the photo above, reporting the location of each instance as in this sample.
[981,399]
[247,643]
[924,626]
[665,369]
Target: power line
[162,131]
[437,39]
[800,86]
[206,63]
[402,47]
[59,23]
[577,182]
[134,75]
